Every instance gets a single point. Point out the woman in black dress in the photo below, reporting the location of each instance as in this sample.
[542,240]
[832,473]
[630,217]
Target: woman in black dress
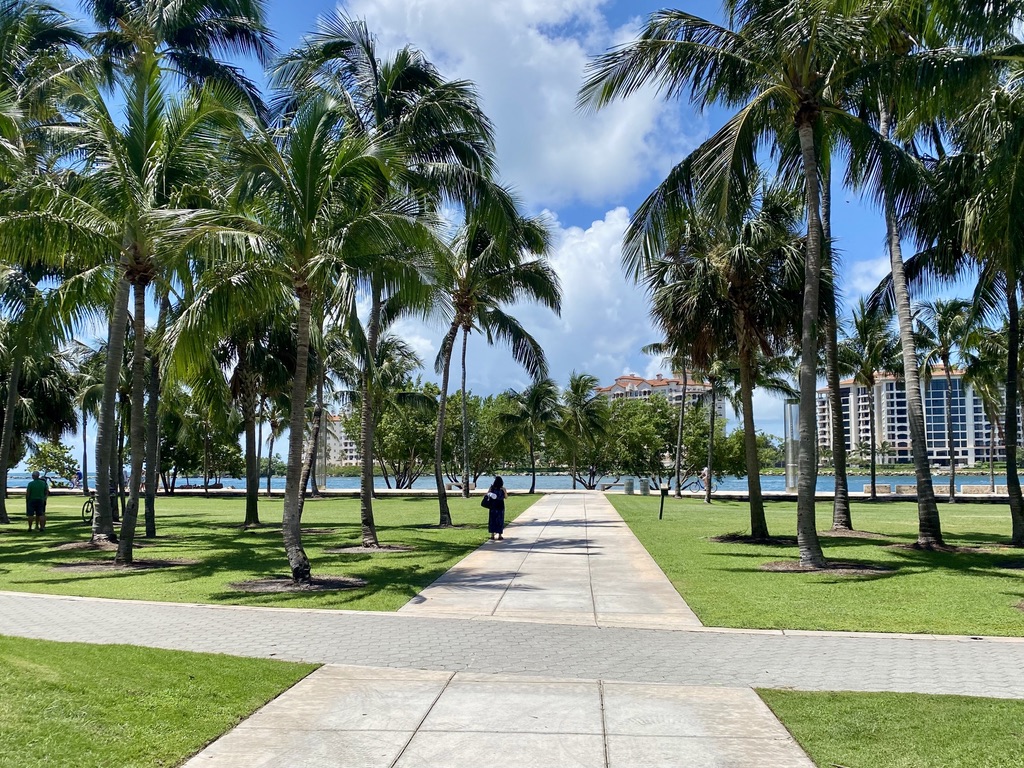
[496,518]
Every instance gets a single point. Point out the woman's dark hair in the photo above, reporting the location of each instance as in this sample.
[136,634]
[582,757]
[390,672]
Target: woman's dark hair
[498,483]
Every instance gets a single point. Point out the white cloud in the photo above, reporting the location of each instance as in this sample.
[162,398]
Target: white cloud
[527,58]
[862,277]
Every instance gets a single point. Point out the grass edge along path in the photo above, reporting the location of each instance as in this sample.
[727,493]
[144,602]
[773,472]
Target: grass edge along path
[902,730]
[973,592]
[204,552]
[93,706]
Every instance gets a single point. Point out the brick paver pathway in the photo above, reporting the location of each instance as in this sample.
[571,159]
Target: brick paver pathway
[556,615]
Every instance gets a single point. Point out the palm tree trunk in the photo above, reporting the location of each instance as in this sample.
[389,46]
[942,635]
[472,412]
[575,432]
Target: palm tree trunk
[991,454]
[137,427]
[367,426]
[711,441]
[806,527]
[291,522]
[85,451]
[310,460]
[871,428]
[929,532]
[106,429]
[465,418]
[949,432]
[1010,431]
[17,359]
[842,520]
[533,465]
[270,460]
[117,461]
[679,438]
[758,523]
[247,403]
[259,441]
[445,519]
[153,423]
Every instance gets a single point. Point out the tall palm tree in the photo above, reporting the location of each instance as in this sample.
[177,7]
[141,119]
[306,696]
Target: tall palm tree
[729,282]
[584,415]
[984,357]
[315,212]
[533,411]
[943,326]
[870,349]
[445,139]
[784,64]
[480,274]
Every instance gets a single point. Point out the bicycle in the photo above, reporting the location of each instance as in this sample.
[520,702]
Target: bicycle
[89,508]
[697,486]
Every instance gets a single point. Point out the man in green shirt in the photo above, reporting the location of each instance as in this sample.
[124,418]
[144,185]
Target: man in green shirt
[35,501]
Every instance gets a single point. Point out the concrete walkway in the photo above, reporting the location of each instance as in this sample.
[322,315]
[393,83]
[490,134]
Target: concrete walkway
[563,645]
[568,559]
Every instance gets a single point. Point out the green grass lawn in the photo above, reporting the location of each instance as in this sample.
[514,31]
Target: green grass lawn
[903,730]
[207,534]
[71,704]
[974,593]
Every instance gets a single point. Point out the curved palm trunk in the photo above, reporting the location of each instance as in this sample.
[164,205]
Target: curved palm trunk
[310,460]
[949,431]
[445,519]
[679,439]
[711,442]
[465,419]
[85,451]
[137,429]
[247,403]
[17,360]
[367,425]
[929,533]
[1010,430]
[533,465]
[153,423]
[291,522]
[106,429]
[758,523]
[270,460]
[871,427]
[806,527]
[842,520]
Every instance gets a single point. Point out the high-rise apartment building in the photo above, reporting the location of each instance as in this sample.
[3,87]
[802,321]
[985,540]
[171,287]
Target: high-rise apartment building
[972,432]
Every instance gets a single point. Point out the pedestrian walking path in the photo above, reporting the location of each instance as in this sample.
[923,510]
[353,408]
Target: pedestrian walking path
[563,645]
[568,559]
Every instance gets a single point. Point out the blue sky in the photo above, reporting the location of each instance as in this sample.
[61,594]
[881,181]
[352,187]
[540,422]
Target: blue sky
[587,172]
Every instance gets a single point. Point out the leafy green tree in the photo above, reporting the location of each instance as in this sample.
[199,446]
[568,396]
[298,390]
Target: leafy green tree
[640,436]
[53,457]
[405,433]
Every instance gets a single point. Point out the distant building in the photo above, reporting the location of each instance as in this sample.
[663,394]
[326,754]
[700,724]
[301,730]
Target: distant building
[633,386]
[342,450]
[972,432]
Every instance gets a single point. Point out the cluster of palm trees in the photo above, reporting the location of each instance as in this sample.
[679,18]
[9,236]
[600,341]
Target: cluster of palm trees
[143,175]
[918,103]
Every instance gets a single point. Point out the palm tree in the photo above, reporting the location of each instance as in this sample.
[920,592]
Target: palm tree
[984,356]
[678,360]
[584,415]
[315,213]
[943,326]
[448,152]
[479,275]
[871,348]
[784,64]
[732,281]
[533,411]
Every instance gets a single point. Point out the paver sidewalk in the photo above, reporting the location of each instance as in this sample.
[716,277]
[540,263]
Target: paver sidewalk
[568,559]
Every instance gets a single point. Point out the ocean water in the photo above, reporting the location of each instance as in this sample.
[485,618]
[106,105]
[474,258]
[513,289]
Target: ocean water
[826,483]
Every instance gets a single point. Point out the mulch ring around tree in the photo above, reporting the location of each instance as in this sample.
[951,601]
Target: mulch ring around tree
[946,548]
[279,584]
[834,568]
[746,538]
[108,546]
[101,566]
[841,534]
[383,549]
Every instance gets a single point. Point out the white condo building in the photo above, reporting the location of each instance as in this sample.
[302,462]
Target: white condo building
[342,450]
[972,432]
[633,386]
